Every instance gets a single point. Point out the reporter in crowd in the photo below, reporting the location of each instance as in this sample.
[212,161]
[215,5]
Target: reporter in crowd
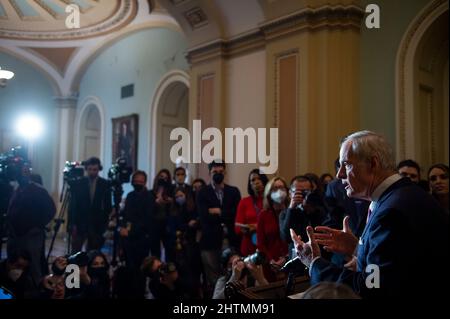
[238,271]
[269,239]
[438,179]
[217,204]
[163,193]
[90,208]
[306,208]
[138,223]
[30,209]
[248,211]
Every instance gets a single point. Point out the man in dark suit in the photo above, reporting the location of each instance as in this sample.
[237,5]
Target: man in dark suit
[91,206]
[30,209]
[217,204]
[406,229]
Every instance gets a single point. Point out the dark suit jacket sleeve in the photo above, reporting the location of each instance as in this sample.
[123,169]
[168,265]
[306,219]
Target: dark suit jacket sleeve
[107,198]
[48,207]
[229,212]
[291,218]
[381,248]
[284,227]
[203,206]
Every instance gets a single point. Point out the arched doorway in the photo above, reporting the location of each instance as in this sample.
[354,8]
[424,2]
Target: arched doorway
[170,110]
[89,126]
[422,88]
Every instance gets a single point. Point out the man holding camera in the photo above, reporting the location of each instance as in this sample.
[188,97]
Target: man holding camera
[305,209]
[91,205]
[239,270]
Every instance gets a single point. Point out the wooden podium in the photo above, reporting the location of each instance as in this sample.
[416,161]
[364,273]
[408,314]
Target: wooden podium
[274,290]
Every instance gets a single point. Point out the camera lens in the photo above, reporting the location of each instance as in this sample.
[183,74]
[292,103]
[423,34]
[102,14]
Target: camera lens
[258,258]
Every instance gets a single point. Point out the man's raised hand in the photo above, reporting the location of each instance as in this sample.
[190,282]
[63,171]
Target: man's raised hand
[337,241]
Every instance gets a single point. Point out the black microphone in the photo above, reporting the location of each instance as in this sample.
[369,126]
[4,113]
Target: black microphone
[295,264]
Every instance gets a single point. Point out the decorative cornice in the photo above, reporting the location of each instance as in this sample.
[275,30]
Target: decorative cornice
[308,18]
[66,102]
[333,17]
[125,13]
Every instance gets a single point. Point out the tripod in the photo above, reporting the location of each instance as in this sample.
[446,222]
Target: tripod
[65,199]
[117,198]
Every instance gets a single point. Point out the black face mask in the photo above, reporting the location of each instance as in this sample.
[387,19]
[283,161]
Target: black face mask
[99,273]
[218,178]
[163,183]
[138,188]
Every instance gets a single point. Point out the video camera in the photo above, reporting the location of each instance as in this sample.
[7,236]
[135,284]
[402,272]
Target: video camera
[258,258]
[12,163]
[80,258]
[73,171]
[120,172]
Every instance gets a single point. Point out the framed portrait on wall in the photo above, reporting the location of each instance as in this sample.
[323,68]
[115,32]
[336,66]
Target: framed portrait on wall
[125,139]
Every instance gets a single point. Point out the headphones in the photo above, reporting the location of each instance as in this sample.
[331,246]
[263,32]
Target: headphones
[93,161]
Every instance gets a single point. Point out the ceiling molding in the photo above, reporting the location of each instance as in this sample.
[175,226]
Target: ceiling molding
[122,16]
[334,17]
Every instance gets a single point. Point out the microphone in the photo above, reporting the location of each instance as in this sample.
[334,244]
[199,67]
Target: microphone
[294,264]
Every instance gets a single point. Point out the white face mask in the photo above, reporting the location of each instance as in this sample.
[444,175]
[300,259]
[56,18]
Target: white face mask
[14,185]
[279,196]
[15,274]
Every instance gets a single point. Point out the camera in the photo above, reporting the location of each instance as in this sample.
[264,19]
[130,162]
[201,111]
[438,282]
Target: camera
[258,258]
[120,172]
[80,259]
[11,164]
[73,171]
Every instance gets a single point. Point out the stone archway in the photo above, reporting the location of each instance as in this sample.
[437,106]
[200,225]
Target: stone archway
[422,88]
[170,109]
[89,126]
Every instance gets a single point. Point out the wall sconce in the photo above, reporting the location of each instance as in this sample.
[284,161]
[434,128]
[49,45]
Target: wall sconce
[5,75]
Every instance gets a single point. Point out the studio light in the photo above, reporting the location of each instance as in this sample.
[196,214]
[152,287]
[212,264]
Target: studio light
[29,127]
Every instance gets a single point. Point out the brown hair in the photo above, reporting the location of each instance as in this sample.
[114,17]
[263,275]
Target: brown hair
[268,202]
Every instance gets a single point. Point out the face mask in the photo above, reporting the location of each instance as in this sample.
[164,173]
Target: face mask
[138,187]
[14,184]
[99,272]
[180,200]
[218,178]
[163,183]
[15,274]
[279,196]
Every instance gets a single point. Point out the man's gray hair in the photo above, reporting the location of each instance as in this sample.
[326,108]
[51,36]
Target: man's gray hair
[367,144]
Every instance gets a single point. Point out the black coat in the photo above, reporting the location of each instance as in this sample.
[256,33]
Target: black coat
[407,238]
[211,225]
[30,207]
[87,215]
[139,214]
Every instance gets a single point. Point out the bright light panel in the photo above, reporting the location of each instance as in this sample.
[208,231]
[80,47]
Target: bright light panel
[29,127]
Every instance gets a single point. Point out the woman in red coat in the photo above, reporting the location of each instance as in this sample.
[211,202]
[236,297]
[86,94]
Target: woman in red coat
[268,231]
[248,211]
